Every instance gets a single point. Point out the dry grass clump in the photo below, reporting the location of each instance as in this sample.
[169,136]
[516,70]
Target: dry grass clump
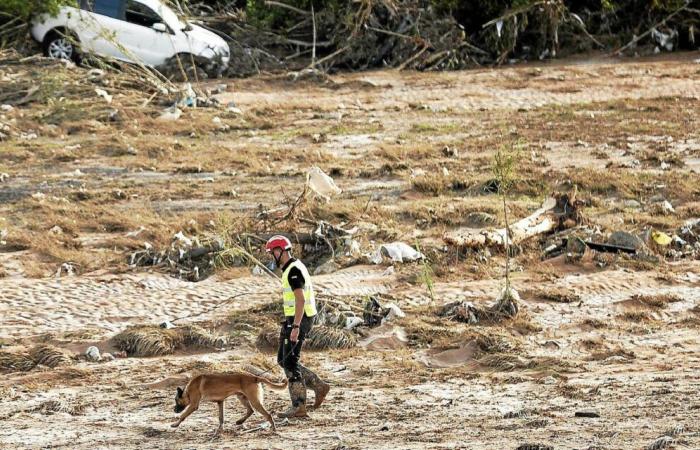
[151,340]
[15,362]
[595,323]
[320,338]
[48,355]
[656,301]
[636,316]
[61,406]
[610,353]
[556,295]
[43,354]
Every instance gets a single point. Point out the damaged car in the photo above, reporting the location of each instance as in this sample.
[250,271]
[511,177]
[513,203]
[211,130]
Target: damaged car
[136,31]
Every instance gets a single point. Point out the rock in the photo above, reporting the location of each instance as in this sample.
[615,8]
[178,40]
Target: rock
[92,354]
[328,267]
[6,108]
[106,357]
[587,413]
[167,325]
[549,380]
[625,239]
[131,150]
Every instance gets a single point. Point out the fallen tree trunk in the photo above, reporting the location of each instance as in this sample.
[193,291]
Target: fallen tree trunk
[541,221]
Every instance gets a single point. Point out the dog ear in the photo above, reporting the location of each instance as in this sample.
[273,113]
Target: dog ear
[179,393]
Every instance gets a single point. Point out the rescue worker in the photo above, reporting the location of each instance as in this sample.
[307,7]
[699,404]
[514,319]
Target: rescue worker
[299,306]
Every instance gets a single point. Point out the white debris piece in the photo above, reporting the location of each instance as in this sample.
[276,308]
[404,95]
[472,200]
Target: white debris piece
[92,353]
[182,238]
[102,93]
[400,252]
[393,312]
[170,114]
[322,184]
[6,108]
[136,232]
[352,322]
[3,177]
[667,207]
[56,230]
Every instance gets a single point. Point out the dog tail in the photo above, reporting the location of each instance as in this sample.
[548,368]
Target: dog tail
[277,386]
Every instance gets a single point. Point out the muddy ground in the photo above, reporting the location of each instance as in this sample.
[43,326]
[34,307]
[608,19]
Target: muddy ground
[412,153]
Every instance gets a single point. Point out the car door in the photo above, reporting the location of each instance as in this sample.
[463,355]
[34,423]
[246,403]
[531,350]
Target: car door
[96,27]
[136,33]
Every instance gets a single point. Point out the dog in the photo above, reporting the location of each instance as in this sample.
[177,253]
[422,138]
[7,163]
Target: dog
[217,387]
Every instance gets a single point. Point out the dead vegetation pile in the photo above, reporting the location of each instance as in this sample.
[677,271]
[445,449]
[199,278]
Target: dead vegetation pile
[151,340]
[320,338]
[40,355]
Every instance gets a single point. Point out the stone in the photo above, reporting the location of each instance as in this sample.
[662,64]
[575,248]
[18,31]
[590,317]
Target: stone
[92,354]
[625,239]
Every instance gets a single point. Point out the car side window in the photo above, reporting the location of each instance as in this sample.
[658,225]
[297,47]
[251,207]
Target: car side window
[109,8]
[140,14]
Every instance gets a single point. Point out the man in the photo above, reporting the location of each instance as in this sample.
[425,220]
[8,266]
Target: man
[299,306]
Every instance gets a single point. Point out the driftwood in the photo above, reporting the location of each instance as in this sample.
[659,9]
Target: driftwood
[560,211]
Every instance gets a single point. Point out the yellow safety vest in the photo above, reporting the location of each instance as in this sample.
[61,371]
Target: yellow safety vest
[288,299]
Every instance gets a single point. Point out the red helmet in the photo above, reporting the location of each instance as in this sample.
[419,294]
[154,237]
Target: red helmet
[278,242]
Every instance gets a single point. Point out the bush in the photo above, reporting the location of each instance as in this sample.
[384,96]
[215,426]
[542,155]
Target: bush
[26,9]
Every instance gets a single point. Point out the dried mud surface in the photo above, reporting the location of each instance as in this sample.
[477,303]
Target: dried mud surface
[412,384]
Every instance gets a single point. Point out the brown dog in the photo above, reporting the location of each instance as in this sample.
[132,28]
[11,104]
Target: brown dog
[217,387]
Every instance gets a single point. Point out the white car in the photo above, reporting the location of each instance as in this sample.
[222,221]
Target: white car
[136,31]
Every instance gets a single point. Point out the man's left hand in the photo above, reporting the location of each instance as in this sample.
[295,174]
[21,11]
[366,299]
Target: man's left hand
[294,335]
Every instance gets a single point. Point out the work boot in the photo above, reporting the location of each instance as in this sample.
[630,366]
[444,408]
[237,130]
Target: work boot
[314,382]
[297,392]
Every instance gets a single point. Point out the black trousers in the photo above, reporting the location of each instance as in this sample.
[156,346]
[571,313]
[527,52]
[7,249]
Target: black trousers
[288,353]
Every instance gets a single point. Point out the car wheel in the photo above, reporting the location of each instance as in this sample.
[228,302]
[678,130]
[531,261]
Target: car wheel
[61,46]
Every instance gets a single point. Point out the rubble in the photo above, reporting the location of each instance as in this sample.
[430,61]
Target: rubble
[93,354]
[322,184]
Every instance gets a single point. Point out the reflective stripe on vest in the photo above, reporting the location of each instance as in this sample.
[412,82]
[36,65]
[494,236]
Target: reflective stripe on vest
[288,299]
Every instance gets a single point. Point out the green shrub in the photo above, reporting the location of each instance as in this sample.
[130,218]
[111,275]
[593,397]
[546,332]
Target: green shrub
[26,9]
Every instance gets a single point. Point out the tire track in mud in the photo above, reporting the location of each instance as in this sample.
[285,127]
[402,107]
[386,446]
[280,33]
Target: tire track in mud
[113,302]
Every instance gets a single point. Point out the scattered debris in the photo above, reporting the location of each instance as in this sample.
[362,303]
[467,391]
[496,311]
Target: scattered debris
[322,184]
[320,338]
[170,114]
[397,251]
[592,413]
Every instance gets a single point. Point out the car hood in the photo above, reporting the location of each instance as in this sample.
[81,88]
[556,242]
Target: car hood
[205,38]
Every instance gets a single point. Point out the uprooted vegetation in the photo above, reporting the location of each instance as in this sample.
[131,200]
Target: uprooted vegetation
[152,340]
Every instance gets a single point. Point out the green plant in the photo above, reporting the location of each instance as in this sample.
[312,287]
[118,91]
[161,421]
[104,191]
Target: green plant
[426,275]
[24,10]
[505,161]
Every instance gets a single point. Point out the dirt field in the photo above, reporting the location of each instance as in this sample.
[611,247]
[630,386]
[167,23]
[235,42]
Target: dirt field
[412,153]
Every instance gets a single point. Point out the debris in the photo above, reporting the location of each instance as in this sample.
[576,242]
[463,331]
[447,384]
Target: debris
[609,247]
[4,177]
[661,443]
[661,238]
[397,251]
[6,108]
[170,114]
[56,230]
[391,311]
[319,338]
[534,447]
[167,325]
[372,315]
[102,93]
[560,211]
[587,413]
[106,357]
[328,267]
[322,184]
[352,322]
[93,354]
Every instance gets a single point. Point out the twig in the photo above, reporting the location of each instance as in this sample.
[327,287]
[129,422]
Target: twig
[329,57]
[578,20]
[643,35]
[286,6]
[313,22]
[413,58]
